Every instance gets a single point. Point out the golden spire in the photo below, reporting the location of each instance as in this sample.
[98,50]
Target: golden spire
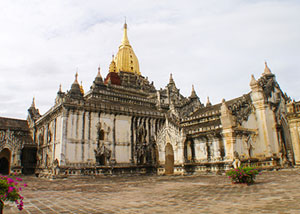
[126,60]
[81,88]
[125,41]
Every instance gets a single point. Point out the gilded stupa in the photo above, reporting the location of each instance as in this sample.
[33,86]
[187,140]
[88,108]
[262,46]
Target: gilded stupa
[126,59]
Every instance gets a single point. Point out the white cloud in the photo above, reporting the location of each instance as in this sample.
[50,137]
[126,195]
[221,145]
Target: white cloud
[215,45]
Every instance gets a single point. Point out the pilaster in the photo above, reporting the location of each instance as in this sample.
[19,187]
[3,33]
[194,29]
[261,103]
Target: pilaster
[228,123]
[64,132]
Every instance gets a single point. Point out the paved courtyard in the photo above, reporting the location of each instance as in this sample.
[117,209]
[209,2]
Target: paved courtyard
[274,192]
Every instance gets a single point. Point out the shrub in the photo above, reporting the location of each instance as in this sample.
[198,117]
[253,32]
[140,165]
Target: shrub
[242,175]
[10,191]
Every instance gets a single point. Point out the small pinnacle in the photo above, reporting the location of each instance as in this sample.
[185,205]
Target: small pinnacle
[193,94]
[253,80]
[267,69]
[33,102]
[171,78]
[99,72]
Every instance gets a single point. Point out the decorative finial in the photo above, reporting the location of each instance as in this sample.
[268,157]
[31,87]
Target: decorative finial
[33,102]
[193,94]
[223,100]
[208,103]
[59,89]
[76,77]
[99,73]
[253,80]
[125,24]
[171,79]
[267,69]
[125,41]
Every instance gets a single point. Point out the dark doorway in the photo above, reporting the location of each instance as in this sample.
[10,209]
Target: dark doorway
[169,165]
[4,161]
[4,166]
[28,160]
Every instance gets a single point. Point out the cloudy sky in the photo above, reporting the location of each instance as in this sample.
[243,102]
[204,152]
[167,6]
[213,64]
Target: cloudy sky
[215,45]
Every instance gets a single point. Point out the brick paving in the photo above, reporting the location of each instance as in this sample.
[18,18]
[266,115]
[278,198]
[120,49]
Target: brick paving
[274,192]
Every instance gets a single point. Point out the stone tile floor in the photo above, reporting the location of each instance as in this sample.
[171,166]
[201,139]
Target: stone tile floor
[274,192]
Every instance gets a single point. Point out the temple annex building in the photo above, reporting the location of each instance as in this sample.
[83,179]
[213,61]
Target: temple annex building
[123,125]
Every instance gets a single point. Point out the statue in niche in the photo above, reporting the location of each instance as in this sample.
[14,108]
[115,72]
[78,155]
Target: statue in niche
[102,153]
[249,146]
[188,151]
[55,167]
[236,160]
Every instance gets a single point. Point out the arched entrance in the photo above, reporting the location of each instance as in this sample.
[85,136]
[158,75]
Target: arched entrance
[169,164]
[4,161]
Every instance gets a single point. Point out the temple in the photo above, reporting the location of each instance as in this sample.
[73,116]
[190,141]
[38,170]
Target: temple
[123,124]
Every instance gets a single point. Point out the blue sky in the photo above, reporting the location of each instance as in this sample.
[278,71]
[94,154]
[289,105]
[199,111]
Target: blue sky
[215,45]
